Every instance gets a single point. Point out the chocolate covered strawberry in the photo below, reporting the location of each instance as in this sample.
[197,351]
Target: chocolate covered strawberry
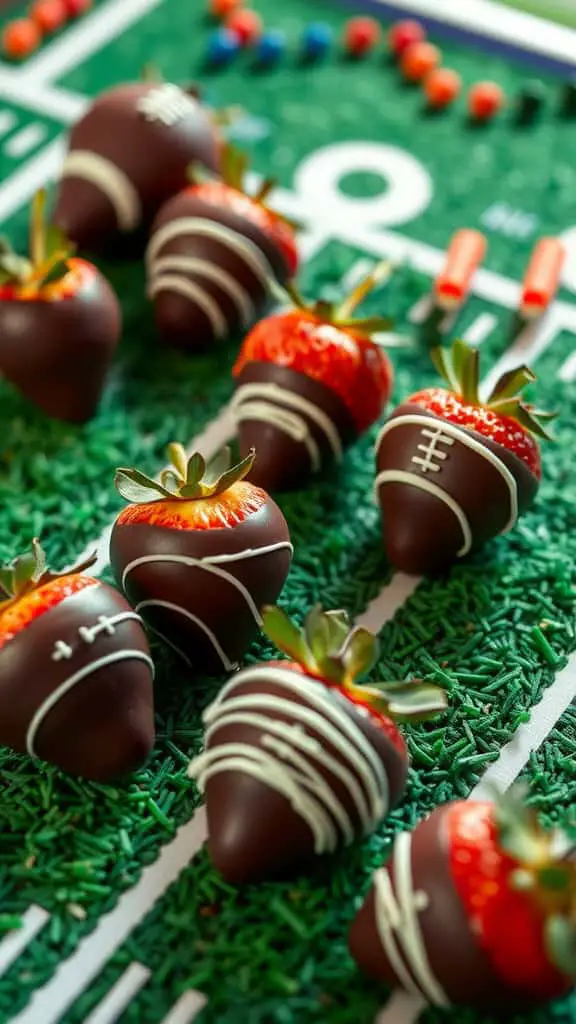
[75,670]
[60,323]
[308,382]
[199,552]
[126,155]
[455,471]
[299,759]
[477,907]
[215,254]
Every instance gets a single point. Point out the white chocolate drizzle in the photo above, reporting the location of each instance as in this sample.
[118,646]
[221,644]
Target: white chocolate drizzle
[62,651]
[210,564]
[175,263]
[171,607]
[61,691]
[110,180]
[402,476]
[106,624]
[196,294]
[448,434]
[167,104]
[397,907]
[242,247]
[286,759]
[264,401]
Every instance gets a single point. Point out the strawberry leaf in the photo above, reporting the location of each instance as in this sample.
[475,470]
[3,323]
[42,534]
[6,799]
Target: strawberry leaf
[217,466]
[54,273]
[560,942]
[317,633]
[138,488]
[286,636]
[360,652]
[56,242]
[170,481]
[178,459]
[338,623]
[512,383]
[520,834]
[194,470]
[234,474]
[7,581]
[409,701]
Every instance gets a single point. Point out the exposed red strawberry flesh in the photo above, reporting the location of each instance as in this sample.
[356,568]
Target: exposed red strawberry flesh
[358,370]
[17,616]
[507,923]
[79,276]
[382,721]
[485,421]
[230,508]
[219,194]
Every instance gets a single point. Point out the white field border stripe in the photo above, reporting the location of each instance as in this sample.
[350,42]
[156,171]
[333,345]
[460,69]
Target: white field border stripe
[502,24]
[120,995]
[92,33]
[49,1003]
[186,1009]
[15,942]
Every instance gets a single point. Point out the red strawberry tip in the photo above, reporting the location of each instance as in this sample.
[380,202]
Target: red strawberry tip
[29,572]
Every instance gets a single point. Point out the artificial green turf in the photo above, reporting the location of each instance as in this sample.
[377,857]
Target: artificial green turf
[495,632]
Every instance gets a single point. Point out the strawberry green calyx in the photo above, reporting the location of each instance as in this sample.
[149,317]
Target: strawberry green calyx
[29,572]
[341,314]
[234,165]
[460,366]
[330,649]
[186,479]
[546,872]
[49,253]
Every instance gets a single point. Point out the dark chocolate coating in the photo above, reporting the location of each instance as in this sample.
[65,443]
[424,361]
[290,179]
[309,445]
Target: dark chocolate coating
[421,534]
[284,463]
[57,353]
[458,962]
[153,155]
[181,320]
[216,602]
[103,727]
[253,831]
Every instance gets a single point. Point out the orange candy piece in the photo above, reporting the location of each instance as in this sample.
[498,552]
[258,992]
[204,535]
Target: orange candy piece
[465,254]
[542,277]
[419,60]
[442,86]
[20,38]
[222,8]
[49,15]
[485,100]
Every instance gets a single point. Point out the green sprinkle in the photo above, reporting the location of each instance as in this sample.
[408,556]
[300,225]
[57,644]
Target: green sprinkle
[542,645]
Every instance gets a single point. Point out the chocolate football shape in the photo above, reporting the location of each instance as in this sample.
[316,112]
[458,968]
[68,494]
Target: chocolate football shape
[296,765]
[126,156]
[60,324]
[309,382]
[464,912]
[214,257]
[199,554]
[444,487]
[75,672]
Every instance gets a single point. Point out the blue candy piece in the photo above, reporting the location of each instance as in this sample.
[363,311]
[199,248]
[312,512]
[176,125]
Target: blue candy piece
[223,46]
[271,46]
[317,40]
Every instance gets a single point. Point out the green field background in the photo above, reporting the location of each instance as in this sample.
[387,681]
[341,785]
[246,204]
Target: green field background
[495,631]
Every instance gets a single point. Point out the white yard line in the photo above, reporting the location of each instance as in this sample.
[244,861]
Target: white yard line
[52,101]
[15,942]
[50,1002]
[186,1009]
[25,140]
[390,599]
[17,189]
[92,33]
[481,329]
[120,995]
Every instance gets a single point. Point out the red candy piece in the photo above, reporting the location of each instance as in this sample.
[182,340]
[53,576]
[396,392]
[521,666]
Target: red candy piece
[49,15]
[403,34]
[442,86]
[222,8]
[485,99]
[246,25]
[20,38]
[75,8]
[419,60]
[361,35]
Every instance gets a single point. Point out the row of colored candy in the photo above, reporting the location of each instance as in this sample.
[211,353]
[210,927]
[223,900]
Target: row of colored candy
[23,36]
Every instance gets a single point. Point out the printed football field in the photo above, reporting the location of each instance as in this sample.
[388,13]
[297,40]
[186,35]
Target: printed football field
[121,915]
